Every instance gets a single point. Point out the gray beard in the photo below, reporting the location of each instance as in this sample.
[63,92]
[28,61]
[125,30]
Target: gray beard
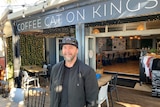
[68,59]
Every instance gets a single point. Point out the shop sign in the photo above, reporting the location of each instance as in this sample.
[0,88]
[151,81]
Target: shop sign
[102,11]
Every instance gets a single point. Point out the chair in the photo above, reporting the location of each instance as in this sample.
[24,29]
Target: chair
[105,59]
[103,95]
[27,79]
[99,60]
[112,87]
[36,97]
[17,95]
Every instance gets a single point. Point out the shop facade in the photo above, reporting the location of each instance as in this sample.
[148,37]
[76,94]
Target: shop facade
[94,24]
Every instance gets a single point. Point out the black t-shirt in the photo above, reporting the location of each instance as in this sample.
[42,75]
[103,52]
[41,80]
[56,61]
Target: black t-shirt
[64,95]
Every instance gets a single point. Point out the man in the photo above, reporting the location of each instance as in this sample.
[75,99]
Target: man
[72,83]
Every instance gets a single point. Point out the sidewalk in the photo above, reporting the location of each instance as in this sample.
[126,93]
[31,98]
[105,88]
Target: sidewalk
[5,102]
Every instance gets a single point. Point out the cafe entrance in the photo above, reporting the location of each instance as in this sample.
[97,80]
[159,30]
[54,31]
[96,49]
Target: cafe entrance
[118,47]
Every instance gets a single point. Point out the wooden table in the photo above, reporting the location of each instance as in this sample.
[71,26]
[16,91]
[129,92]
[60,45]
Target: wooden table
[33,68]
[104,79]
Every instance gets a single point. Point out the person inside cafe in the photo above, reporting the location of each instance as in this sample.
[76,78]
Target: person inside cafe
[72,83]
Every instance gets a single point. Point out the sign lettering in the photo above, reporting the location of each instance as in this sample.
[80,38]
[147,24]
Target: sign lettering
[106,10]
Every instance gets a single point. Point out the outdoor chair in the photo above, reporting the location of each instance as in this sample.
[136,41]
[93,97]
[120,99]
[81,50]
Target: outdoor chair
[17,95]
[36,97]
[103,95]
[26,80]
[113,87]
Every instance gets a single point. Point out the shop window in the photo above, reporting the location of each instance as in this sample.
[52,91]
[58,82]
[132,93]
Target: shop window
[115,28]
[153,25]
[134,26]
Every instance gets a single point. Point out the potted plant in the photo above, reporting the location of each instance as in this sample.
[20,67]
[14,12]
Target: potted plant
[153,51]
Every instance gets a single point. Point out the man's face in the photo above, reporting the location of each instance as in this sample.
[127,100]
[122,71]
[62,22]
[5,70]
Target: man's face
[69,52]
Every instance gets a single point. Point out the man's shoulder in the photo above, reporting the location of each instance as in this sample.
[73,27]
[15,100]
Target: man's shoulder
[56,68]
[85,67]
[58,64]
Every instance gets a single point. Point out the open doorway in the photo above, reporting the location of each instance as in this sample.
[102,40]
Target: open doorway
[116,55]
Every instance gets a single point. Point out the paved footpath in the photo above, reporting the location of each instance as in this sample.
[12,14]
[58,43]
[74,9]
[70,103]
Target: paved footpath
[5,102]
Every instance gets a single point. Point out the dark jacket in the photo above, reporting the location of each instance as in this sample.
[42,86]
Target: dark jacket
[83,86]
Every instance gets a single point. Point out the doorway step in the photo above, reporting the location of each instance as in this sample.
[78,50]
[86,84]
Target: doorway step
[125,75]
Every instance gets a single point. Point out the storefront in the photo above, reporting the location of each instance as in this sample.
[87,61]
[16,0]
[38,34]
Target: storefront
[94,24]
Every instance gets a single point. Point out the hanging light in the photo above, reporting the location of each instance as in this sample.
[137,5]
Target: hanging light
[135,37]
[43,9]
[95,31]
[112,37]
[140,27]
[121,37]
[131,37]
[23,15]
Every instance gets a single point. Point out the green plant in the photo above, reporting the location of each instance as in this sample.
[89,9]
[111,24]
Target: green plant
[10,70]
[153,50]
